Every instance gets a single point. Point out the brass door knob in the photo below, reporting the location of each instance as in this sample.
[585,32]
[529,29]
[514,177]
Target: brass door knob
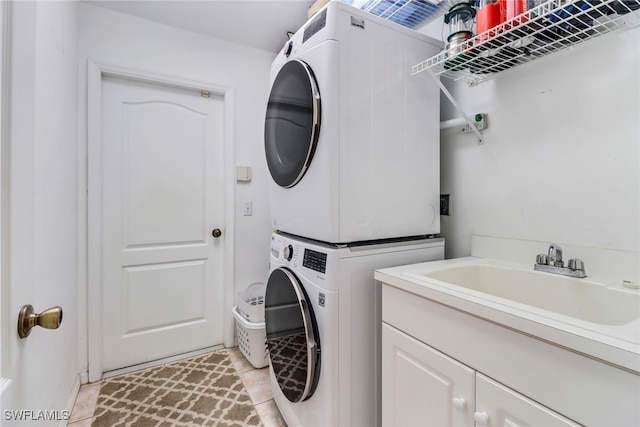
[48,319]
[216,233]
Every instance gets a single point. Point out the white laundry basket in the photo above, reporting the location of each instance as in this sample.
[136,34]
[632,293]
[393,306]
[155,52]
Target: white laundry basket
[251,302]
[252,340]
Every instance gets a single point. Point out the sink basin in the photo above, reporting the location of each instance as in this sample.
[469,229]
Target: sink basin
[590,316]
[579,299]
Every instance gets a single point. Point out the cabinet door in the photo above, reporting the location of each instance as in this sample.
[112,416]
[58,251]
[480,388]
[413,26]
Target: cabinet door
[421,386]
[497,405]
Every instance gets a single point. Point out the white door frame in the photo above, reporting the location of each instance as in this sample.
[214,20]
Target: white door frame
[95,73]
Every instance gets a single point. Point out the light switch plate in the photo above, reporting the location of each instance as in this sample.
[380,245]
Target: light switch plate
[243,173]
[247,208]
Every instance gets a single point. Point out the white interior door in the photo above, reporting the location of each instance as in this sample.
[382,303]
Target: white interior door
[162,196]
[38,208]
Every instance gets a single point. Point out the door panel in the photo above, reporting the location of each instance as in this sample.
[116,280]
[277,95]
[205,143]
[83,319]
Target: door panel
[421,386]
[141,281]
[161,183]
[505,407]
[292,336]
[292,123]
[165,174]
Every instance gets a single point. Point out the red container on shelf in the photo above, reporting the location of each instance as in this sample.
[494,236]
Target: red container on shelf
[512,8]
[488,16]
[494,12]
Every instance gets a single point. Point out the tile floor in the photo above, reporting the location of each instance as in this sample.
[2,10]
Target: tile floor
[256,381]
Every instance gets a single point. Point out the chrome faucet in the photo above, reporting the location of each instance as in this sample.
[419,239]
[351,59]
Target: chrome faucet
[555,256]
[552,263]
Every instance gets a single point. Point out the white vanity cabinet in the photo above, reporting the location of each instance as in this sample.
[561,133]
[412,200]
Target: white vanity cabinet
[444,366]
[424,387]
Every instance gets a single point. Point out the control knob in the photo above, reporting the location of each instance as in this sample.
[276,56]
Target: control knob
[288,252]
[288,48]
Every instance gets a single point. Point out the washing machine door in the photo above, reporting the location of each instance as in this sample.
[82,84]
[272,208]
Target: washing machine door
[292,335]
[292,123]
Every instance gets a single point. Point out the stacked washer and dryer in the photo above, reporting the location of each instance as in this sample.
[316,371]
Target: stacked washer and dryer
[352,146]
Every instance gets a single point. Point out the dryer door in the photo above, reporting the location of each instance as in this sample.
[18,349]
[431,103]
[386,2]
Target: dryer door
[292,123]
[292,335]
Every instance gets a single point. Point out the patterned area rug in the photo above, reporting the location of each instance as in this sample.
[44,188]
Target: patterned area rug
[201,391]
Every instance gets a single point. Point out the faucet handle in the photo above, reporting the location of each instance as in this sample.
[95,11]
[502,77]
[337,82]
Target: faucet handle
[542,259]
[576,264]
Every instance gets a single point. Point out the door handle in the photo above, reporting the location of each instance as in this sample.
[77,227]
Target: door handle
[216,233]
[48,319]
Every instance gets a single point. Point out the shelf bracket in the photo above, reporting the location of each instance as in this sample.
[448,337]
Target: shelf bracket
[446,92]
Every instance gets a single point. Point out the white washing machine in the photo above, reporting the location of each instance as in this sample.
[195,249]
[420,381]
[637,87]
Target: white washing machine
[351,138]
[323,322]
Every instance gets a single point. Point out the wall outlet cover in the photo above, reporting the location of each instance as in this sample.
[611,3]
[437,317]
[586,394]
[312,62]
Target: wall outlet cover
[444,204]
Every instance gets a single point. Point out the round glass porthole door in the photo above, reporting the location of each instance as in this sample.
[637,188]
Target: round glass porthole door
[292,123]
[292,336]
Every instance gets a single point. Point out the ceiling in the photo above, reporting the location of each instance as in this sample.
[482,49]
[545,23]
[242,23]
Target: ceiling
[261,24]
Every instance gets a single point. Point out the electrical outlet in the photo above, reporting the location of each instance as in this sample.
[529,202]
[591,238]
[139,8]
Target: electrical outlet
[480,121]
[444,204]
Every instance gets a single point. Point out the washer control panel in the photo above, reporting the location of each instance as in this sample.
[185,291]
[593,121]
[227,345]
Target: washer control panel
[289,252]
[315,260]
[284,250]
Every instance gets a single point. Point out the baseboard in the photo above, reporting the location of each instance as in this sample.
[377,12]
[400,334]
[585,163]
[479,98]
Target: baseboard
[84,378]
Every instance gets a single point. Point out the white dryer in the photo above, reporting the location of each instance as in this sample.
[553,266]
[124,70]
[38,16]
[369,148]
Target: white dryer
[351,138]
[323,324]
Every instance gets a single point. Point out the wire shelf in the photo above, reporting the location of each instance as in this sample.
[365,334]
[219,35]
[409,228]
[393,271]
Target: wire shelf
[413,14]
[548,28]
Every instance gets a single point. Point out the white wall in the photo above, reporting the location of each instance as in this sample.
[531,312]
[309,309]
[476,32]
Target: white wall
[560,162]
[116,39]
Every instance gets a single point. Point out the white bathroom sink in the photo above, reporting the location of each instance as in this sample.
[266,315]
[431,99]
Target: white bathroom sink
[608,309]
[564,295]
